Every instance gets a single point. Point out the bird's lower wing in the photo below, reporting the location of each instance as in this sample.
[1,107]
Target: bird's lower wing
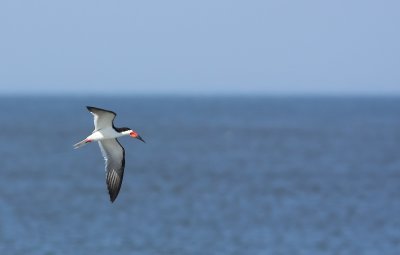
[114,156]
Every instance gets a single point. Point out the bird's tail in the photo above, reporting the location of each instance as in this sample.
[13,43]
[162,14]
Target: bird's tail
[80,144]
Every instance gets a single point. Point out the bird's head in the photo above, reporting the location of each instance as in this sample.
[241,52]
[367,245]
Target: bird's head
[134,134]
[130,132]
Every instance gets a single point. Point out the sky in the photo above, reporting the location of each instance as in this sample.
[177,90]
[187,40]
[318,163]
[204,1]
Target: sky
[199,47]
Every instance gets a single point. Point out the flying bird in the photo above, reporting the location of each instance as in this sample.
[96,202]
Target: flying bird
[106,134]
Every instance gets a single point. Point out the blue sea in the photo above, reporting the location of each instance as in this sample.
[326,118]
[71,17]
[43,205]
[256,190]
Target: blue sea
[218,175]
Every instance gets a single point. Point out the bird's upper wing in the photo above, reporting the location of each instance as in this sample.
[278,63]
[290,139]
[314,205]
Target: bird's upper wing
[114,155]
[102,118]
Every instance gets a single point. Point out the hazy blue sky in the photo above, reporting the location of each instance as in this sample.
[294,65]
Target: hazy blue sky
[200,46]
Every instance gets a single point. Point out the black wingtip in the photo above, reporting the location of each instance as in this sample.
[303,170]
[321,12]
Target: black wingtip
[114,181]
[93,109]
[113,196]
[90,108]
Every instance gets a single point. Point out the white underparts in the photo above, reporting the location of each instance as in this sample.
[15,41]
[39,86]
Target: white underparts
[106,133]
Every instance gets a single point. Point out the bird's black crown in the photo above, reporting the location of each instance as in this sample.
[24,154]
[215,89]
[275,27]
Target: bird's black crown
[122,129]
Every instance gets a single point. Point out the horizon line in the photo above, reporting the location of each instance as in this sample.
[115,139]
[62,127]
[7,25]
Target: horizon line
[200,94]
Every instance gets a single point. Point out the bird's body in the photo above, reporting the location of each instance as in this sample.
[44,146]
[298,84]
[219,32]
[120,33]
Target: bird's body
[106,134]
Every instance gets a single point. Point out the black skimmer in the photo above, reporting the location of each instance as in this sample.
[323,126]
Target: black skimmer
[105,133]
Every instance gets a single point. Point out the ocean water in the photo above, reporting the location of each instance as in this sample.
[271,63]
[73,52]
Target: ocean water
[218,175]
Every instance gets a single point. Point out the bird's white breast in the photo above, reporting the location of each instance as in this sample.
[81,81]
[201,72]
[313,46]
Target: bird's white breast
[102,134]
